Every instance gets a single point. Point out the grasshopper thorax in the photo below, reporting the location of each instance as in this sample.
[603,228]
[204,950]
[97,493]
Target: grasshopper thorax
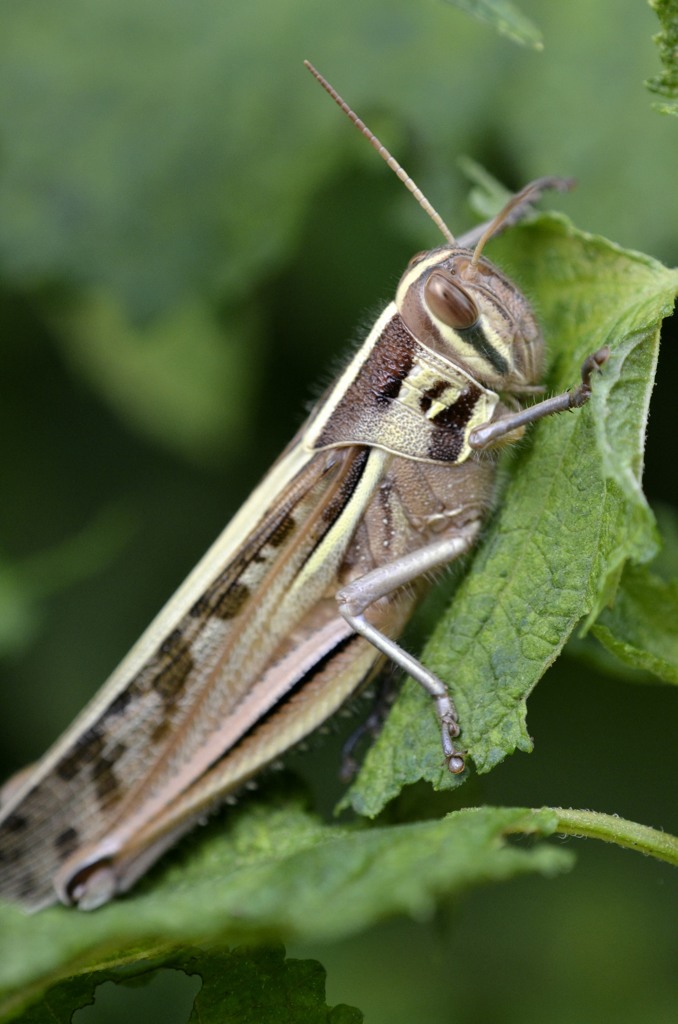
[473,315]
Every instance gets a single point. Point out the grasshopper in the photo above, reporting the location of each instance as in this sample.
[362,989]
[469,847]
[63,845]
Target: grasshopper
[297,603]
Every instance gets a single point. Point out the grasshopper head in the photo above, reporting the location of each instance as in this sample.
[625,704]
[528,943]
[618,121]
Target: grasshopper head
[472,314]
[455,301]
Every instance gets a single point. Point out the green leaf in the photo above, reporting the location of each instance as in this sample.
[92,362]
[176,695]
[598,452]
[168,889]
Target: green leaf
[666,562]
[60,1001]
[164,158]
[638,634]
[135,989]
[274,874]
[156,165]
[570,518]
[666,83]
[488,195]
[262,987]
[257,985]
[151,172]
[26,583]
[506,18]
[193,398]
[641,626]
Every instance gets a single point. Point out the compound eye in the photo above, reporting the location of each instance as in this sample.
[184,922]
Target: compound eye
[449,302]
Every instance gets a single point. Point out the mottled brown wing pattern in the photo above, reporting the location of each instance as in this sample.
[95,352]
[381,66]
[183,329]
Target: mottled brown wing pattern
[210,669]
[313,696]
[137,743]
[317,667]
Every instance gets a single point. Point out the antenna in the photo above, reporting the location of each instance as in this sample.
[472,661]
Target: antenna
[526,195]
[385,156]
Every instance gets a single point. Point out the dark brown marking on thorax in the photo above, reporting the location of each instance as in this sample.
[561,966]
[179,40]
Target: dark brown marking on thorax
[445,445]
[376,385]
[457,415]
[447,437]
[431,394]
[390,362]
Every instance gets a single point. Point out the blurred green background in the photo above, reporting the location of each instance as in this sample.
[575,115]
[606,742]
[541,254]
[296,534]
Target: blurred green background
[190,235]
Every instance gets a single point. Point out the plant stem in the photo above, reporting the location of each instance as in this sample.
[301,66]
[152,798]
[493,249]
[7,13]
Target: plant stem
[612,829]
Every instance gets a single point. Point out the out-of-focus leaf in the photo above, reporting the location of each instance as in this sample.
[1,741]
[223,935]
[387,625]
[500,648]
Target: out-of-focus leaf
[238,986]
[506,18]
[637,638]
[274,873]
[155,171]
[26,584]
[666,562]
[488,196]
[136,993]
[262,986]
[641,626]
[157,164]
[181,378]
[666,83]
